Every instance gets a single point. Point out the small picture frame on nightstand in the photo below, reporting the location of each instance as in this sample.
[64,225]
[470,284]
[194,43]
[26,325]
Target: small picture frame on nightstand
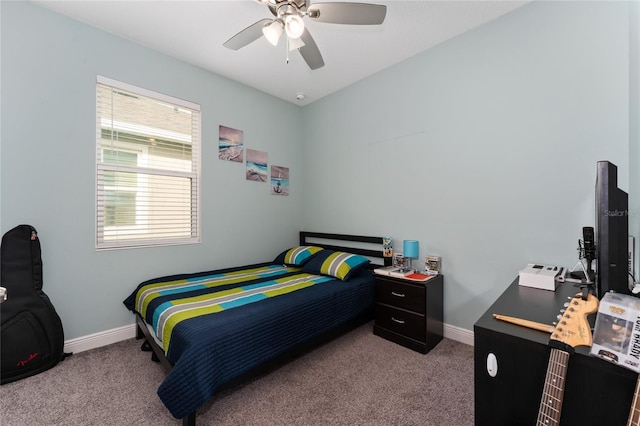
[433,265]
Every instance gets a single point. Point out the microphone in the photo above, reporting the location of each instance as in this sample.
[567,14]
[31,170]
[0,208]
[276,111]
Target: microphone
[587,251]
[589,248]
[589,244]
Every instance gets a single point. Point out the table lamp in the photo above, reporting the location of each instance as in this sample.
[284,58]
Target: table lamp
[410,251]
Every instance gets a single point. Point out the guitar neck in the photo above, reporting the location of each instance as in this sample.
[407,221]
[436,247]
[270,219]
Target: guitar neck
[634,414]
[553,393]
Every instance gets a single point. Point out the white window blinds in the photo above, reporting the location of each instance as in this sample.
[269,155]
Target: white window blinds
[148,167]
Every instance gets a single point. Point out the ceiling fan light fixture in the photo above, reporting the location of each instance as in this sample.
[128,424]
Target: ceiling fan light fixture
[273,31]
[294,26]
[289,16]
[295,43]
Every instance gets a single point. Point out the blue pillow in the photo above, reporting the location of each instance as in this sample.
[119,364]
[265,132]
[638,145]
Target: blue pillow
[297,256]
[337,264]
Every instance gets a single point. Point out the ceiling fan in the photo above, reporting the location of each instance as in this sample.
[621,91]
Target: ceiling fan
[289,16]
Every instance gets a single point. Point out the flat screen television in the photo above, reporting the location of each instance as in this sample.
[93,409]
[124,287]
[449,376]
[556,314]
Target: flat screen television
[611,233]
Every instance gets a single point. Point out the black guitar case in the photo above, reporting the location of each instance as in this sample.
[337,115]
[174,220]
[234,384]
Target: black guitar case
[31,334]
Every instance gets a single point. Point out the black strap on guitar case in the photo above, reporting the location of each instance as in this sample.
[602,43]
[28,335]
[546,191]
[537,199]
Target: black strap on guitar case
[31,334]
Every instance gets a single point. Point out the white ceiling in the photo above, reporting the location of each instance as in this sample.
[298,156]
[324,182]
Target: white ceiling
[194,31]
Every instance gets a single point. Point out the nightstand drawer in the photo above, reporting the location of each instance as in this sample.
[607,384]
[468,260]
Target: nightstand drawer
[400,321]
[401,295]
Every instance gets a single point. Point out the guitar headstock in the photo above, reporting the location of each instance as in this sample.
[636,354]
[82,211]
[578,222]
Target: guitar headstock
[573,329]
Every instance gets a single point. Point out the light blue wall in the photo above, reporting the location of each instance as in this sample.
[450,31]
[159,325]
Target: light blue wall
[49,67]
[0,125]
[484,148]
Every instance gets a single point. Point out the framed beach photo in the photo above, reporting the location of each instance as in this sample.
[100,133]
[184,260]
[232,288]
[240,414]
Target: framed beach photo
[279,180]
[230,144]
[256,165]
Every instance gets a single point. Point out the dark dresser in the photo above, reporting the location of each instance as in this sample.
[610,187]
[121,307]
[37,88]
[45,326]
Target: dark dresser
[409,312]
[596,392]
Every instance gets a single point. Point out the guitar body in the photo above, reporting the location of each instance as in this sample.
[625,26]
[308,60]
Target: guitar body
[31,331]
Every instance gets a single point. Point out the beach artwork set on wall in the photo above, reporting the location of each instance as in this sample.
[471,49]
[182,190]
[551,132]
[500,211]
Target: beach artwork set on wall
[231,148]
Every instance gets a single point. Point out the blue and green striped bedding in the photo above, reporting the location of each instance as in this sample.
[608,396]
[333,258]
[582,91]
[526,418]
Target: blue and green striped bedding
[170,302]
[217,325]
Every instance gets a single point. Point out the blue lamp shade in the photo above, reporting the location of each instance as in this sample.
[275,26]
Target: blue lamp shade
[410,248]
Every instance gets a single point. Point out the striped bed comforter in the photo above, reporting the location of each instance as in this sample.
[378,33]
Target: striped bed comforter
[170,302]
[216,325]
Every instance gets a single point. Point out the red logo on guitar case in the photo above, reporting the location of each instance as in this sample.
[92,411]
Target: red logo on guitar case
[26,361]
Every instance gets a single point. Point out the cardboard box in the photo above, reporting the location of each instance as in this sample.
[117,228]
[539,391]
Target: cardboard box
[616,337]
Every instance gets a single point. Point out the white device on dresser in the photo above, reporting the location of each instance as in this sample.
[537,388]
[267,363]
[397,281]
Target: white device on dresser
[545,277]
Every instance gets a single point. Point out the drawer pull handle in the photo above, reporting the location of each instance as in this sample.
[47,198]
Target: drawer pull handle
[397,294]
[397,320]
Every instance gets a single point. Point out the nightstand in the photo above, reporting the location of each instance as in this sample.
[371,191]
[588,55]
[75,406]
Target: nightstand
[408,312]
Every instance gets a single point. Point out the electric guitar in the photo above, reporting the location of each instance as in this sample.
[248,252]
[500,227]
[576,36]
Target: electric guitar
[572,330]
[634,415]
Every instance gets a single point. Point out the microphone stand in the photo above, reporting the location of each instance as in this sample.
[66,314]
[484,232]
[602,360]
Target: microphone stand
[589,275]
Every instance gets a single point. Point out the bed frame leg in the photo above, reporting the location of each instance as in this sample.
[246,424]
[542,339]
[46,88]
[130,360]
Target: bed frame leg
[190,420]
[139,333]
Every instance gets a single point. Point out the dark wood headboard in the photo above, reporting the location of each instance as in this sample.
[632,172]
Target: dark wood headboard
[363,245]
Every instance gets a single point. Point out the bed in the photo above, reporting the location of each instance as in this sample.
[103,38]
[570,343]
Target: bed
[211,327]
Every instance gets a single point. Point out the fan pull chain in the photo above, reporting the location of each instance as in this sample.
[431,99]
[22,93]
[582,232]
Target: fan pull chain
[287,47]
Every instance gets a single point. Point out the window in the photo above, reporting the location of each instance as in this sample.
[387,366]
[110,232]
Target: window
[148,167]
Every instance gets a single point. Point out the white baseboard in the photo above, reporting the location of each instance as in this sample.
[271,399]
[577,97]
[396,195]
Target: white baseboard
[100,339]
[108,337]
[458,334]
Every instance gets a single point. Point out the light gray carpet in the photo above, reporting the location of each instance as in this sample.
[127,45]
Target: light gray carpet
[356,379]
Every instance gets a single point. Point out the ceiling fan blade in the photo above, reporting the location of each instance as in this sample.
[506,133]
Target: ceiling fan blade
[248,35]
[310,52]
[348,13]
